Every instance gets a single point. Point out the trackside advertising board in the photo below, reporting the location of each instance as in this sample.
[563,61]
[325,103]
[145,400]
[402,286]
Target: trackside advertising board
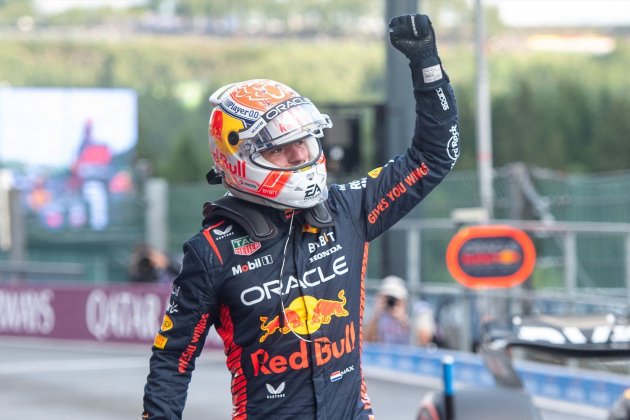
[490,256]
[128,313]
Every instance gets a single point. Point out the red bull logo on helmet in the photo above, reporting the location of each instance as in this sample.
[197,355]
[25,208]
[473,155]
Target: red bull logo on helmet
[220,159]
[304,315]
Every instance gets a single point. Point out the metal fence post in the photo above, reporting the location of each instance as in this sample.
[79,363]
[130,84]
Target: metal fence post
[156,227]
[627,263]
[400,122]
[570,263]
[17,251]
[414,262]
[5,210]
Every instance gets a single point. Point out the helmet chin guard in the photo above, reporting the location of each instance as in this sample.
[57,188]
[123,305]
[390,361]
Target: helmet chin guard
[259,115]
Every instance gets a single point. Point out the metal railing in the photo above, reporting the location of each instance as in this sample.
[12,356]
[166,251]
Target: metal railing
[573,288]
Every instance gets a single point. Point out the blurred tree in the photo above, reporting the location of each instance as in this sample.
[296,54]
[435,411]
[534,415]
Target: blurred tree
[12,10]
[159,121]
[186,163]
[283,16]
[544,112]
[606,151]
[203,8]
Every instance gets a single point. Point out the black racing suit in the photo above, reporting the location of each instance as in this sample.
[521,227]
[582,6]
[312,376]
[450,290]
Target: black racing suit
[305,364]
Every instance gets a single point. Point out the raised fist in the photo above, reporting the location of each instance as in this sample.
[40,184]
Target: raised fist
[413,35]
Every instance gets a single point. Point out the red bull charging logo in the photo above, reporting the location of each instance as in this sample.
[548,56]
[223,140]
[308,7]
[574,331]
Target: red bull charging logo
[304,315]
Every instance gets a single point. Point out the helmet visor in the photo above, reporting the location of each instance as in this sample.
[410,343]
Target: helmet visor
[290,120]
[292,155]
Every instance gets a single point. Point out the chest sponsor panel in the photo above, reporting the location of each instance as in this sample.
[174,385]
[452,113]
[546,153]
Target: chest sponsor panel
[311,278]
[304,315]
[252,264]
[324,240]
[319,352]
[325,253]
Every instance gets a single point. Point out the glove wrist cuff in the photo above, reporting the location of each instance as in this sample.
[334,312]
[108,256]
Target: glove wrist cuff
[427,72]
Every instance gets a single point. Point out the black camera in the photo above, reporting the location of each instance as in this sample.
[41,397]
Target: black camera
[391,301]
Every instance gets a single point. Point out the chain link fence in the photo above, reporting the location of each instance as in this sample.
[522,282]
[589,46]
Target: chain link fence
[599,256]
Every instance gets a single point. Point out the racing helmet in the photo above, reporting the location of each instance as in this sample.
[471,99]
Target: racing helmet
[251,117]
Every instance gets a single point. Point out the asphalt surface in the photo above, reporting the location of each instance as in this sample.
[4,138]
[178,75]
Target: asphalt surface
[78,381]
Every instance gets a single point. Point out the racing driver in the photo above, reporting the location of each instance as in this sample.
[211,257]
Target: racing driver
[279,265]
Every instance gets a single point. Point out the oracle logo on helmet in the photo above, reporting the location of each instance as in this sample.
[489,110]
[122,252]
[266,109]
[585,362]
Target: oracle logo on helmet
[281,107]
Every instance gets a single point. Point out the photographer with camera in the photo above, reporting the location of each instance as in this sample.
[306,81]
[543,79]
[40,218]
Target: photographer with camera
[390,320]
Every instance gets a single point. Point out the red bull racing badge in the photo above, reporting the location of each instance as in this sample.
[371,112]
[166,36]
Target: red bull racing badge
[305,315]
[245,245]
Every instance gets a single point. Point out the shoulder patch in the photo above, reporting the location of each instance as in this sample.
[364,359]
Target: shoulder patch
[375,172]
[210,239]
[245,245]
[224,230]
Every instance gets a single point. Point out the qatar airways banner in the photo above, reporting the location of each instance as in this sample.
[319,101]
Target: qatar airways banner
[114,313]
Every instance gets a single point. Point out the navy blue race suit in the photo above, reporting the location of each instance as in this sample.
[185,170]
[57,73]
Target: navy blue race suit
[306,363]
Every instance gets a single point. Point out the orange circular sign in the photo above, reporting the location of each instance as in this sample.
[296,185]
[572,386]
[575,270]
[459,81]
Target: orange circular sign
[492,256]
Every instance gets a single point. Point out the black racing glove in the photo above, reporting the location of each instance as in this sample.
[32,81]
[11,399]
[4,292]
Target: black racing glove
[413,35]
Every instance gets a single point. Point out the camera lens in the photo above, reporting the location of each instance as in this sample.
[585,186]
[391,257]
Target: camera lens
[391,301]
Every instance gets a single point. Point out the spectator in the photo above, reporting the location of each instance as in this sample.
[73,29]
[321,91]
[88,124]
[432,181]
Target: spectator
[390,320]
[148,265]
[424,326]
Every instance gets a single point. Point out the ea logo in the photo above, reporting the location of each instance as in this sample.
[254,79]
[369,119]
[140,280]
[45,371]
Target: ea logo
[312,191]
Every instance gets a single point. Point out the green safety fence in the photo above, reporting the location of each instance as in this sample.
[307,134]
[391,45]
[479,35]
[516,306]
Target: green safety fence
[565,197]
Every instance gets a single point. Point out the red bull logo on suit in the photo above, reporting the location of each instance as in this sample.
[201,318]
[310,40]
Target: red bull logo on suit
[325,350]
[304,315]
